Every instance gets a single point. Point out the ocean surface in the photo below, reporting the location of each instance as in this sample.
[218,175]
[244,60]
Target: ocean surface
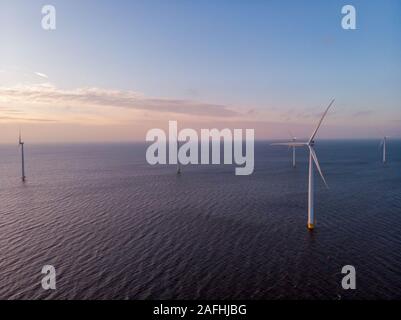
[115,227]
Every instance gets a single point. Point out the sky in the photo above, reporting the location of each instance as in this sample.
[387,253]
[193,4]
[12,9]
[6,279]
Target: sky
[114,69]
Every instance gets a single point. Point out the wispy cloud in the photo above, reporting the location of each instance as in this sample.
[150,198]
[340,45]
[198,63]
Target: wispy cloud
[47,94]
[5,110]
[362,113]
[26,119]
[42,75]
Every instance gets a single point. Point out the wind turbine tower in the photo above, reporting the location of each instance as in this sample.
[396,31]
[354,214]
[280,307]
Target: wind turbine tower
[178,158]
[312,160]
[384,145]
[21,144]
[294,163]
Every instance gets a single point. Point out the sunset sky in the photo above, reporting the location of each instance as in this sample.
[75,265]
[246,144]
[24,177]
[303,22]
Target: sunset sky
[114,69]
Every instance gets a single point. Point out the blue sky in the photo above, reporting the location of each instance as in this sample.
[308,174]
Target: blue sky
[269,58]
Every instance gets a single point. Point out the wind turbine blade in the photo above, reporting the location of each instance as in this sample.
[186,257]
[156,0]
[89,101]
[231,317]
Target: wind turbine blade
[320,122]
[317,165]
[291,144]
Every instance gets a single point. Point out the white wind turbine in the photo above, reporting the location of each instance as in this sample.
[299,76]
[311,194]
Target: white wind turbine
[312,159]
[21,144]
[178,158]
[383,144]
[294,139]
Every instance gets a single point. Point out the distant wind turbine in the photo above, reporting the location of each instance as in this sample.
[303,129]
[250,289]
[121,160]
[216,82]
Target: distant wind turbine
[383,144]
[294,139]
[312,159]
[21,144]
[178,158]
